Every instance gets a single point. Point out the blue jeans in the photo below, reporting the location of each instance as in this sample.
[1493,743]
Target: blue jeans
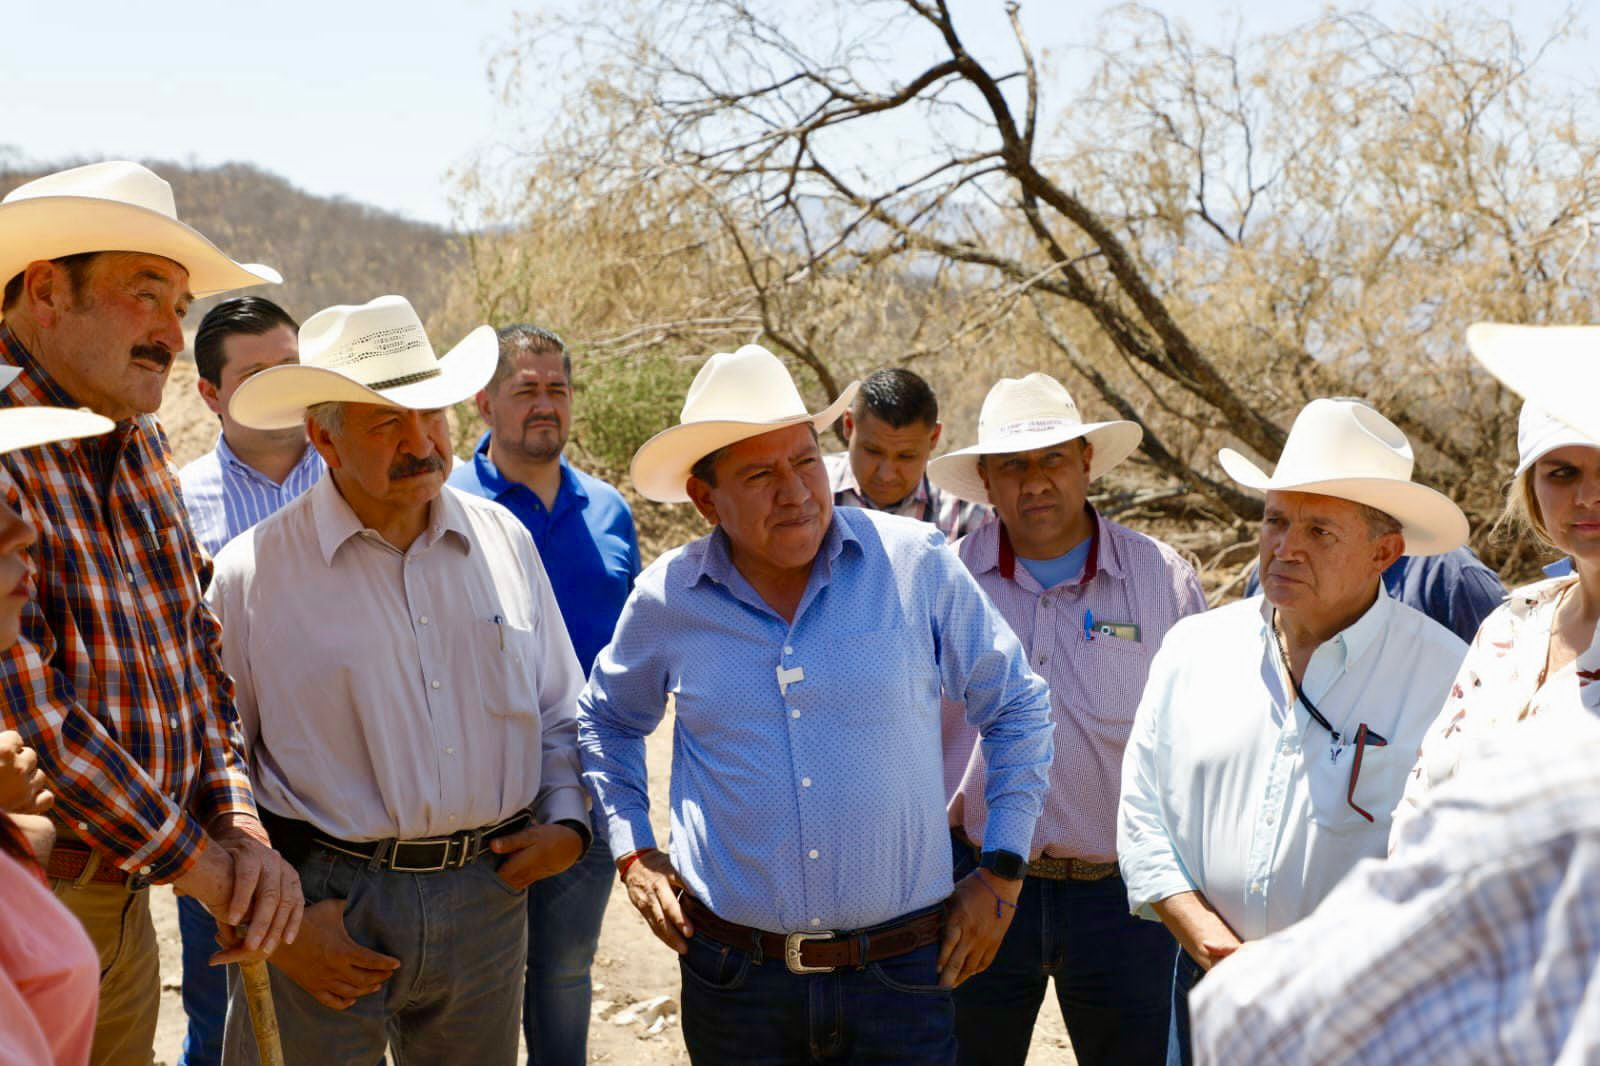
[564,916]
[1185,975]
[750,1011]
[1112,975]
[462,940]
[205,987]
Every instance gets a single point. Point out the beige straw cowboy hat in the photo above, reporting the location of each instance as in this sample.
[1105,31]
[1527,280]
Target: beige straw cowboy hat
[1020,415]
[1345,448]
[1556,367]
[376,353]
[113,207]
[735,396]
[28,426]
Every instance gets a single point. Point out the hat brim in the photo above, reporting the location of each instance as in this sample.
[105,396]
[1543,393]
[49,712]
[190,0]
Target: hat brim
[49,227]
[957,472]
[278,398]
[1556,367]
[1429,520]
[660,468]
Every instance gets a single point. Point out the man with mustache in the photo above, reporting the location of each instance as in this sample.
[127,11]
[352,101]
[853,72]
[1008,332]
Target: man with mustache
[406,691]
[1274,737]
[116,679]
[584,532]
[804,648]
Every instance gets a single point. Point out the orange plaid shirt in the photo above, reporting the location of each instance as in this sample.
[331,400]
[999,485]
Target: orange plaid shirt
[117,679]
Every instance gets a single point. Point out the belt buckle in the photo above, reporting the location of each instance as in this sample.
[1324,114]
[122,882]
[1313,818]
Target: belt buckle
[791,951]
[394,857]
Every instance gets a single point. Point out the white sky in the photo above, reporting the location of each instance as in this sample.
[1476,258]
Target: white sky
[377,101]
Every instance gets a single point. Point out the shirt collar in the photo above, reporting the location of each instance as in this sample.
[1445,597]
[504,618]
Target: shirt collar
[716,560]
[336,522]
[993,550]
[847,483]
[490,477]
[229,458]
[1354,639]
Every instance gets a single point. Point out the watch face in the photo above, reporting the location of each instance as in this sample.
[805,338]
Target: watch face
[1005,864]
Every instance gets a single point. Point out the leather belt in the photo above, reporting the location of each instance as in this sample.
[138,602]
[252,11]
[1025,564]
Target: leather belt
[429,856]
[1052,868]
[822,951]
[68,862]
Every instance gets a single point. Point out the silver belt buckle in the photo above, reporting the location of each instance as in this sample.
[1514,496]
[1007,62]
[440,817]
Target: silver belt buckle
[791,951]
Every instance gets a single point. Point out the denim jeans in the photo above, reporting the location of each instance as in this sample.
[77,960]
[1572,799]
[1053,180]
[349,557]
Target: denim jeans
[205,987]
[564,916]
[1112,975]
[1185,975]
[462,940]
[751,1011]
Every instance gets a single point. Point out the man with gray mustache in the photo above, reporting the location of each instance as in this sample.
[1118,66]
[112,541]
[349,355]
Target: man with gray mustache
[407,692]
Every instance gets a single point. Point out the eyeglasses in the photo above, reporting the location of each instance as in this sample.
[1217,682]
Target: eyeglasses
[1364,737]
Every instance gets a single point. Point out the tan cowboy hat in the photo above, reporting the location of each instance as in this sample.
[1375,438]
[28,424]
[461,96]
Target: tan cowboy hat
[1556,367]
[113,207]
[28,426]
[1345,448]
[735,396]
[1020,415]
[375,352]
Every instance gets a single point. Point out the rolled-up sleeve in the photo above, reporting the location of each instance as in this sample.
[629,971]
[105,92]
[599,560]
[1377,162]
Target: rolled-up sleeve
[1148,856]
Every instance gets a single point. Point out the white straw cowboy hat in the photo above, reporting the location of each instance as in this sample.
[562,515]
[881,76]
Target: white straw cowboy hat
[375,352]
[113,207]
[27,426]
[1020,415]
[1556,367]
[735,396]
[1344,448]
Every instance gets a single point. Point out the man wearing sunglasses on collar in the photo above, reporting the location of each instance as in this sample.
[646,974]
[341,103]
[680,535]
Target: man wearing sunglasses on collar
[1274,736]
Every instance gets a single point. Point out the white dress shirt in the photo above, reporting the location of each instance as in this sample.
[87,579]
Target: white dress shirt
[1227,792]
[399,694]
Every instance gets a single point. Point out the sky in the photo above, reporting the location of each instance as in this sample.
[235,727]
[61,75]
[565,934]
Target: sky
[380,102]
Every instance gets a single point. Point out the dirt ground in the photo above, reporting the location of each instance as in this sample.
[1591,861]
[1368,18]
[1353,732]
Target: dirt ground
[631,967]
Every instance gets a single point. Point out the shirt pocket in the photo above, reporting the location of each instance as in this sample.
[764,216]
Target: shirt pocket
[506,658]
[1377,791]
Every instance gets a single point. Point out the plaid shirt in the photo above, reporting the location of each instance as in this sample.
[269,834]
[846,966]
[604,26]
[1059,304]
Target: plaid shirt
[117,680]
[1476,943]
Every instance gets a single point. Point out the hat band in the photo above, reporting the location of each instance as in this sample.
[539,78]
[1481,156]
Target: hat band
[1037,425]
[404,379]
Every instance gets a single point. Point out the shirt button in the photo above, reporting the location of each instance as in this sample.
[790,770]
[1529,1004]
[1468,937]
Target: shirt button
[449,751]
[787,650]
[1255,886]
[816,922]
[1042,658]
[83,827]
[813,853]
[173,721]
[422,620]
[435,684]
[144,871]
[794,712]
[1271,818]
[805,782]
[130,577]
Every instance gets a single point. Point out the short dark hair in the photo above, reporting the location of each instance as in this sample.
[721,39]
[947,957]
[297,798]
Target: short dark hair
[523,338]
[76,266]
[898,397]
[251,316]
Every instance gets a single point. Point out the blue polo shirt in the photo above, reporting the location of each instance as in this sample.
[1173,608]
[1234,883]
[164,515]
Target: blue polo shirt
[586,542]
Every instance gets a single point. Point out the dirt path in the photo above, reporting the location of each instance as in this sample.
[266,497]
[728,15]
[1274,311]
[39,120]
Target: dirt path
[631,967]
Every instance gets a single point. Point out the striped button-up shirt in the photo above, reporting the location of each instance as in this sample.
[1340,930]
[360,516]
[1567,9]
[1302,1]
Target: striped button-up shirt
[1477,943]
[117,679]
[1092,640]
[807,791]
[953,516]
[226,496]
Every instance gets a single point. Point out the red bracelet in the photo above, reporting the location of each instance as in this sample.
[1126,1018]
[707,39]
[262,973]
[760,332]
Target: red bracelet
[628,860]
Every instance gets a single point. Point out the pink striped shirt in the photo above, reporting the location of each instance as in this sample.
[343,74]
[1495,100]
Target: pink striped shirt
[1095,673]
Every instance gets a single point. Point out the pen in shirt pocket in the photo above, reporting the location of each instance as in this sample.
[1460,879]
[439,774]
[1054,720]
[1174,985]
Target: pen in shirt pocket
[1088,624]
[500,627]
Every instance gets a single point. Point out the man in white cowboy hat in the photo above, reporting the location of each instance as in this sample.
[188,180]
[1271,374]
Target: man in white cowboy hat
[1091,601]
[804,648]
[406,691]
[1274,736]
[116,679]
[1504,858]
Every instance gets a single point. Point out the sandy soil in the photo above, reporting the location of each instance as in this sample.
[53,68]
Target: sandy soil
[631,966]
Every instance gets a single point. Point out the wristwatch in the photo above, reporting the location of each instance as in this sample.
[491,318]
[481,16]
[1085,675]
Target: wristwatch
[1006,865]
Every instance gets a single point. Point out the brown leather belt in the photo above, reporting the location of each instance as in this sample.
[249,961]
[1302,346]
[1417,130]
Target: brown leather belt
[822,951]
[1052,868]
[68,861]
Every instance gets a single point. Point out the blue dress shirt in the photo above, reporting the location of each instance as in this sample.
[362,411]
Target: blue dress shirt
[586,542]
[807,786]
[225,496]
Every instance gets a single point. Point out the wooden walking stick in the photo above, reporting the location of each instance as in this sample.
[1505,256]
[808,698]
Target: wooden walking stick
[263,1018]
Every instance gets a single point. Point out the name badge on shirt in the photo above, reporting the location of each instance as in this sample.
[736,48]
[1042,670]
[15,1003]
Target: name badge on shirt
[1120,630]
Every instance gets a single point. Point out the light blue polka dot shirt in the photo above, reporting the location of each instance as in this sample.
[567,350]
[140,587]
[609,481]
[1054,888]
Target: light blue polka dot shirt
[807,787]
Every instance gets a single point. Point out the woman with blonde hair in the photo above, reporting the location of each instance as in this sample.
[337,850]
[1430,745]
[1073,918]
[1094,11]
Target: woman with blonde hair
[1523,665]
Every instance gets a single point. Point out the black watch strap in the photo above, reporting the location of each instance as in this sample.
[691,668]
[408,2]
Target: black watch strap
[1006,865]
